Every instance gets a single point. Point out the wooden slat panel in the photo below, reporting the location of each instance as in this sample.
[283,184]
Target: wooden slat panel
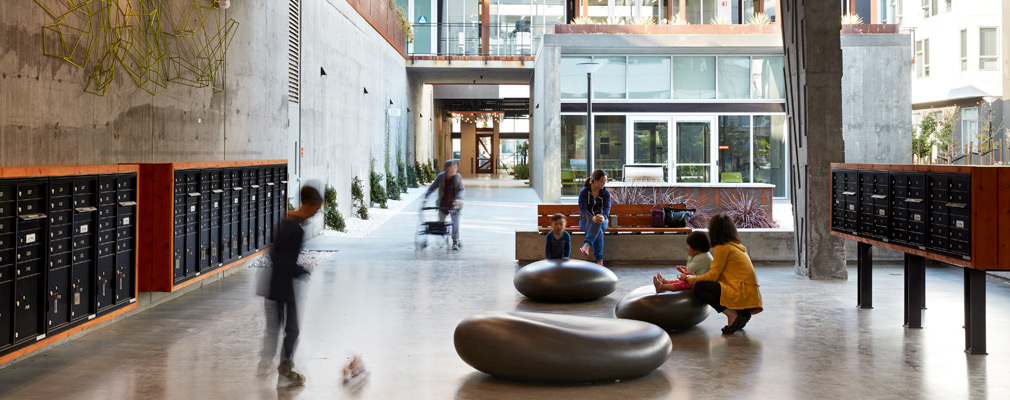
[1003,217]
[64,170]
[616,209]
[631,230]
[984,208]
[623,221]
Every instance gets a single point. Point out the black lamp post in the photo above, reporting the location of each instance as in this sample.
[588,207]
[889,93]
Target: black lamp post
[589,68]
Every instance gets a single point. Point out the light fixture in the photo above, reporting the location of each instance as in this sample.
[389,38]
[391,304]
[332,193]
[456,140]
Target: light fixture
[990,99]
[222,4]
[589,67]
[322,72]
[366,90]
[390,102]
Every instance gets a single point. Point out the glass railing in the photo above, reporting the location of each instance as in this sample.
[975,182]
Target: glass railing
[475,39]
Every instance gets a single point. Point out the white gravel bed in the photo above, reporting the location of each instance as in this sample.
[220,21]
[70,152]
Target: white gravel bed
[307,259]
[357,227]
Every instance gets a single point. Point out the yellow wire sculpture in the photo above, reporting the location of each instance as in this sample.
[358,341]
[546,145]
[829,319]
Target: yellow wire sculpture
[155,42]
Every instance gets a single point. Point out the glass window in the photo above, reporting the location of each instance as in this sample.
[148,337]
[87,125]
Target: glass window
[574,84]
[987,54]
[969,126]
[964,50]
[768,78]
[693,151]
[934,9]
[609,151]
[734,149]
[925,9]
[610,82]
[649,77]
[651,141]
[770,152]
[455,149]
[653,8]
[573,153]
[699,11]
[918,59]
[770,11]
[925,57]
[694,77]
[734,77]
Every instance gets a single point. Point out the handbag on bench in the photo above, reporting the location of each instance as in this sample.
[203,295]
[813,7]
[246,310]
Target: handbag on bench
[677,217]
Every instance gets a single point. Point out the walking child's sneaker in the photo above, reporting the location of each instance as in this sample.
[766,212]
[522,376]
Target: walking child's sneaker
[290,379]
[355,370]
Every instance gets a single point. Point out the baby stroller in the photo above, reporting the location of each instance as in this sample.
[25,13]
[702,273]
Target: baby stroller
[433,227]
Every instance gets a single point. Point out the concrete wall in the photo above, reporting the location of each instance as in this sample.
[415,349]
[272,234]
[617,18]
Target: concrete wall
[47,119]
[545,121]
[877,98]
[343,128]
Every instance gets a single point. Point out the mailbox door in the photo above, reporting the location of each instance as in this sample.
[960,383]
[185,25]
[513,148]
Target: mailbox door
[58,298]
[82,292]
[27,307]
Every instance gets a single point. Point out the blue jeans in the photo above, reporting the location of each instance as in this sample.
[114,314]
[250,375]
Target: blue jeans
[594,235]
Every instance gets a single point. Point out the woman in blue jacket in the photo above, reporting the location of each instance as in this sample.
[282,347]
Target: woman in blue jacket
[594,210]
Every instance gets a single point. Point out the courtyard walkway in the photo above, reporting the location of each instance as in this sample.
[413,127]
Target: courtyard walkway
[397,307]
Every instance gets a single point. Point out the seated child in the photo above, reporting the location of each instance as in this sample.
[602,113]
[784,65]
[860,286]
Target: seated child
[698,262]
[559,242]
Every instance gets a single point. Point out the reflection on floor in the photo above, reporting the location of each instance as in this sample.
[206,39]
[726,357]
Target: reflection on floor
[398,307]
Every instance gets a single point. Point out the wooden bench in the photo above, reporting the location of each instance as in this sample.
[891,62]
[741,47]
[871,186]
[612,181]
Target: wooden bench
[630,218]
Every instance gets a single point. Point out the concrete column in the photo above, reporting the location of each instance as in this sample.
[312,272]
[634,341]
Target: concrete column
[810,32]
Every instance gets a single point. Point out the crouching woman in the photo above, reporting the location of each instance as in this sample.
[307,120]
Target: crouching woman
[730,286]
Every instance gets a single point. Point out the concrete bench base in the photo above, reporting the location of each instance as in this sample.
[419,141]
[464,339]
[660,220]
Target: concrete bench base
[764,245]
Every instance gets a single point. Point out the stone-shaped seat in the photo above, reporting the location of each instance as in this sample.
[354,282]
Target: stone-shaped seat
[560,348]
[565,281]
[673,311]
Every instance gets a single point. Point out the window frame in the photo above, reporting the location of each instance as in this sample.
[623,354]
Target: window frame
[995,57]
[965,139]
[919,63]
[673,95]
[964,50]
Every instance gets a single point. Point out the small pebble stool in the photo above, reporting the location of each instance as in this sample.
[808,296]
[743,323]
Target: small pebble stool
[560,348]
[565,281]
[673,311]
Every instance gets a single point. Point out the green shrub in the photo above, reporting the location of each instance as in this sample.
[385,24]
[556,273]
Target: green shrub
[358,197]
[522,171]
[392,187]
[332,217]
[412,176]
[376,191]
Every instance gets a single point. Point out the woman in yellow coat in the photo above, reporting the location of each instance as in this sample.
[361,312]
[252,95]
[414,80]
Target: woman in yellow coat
[731,285]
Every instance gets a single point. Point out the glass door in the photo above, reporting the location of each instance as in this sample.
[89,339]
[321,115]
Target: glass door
[693,158]
[650,148]
[485,157]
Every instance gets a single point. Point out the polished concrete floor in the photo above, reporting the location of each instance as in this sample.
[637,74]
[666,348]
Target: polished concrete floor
[398,307]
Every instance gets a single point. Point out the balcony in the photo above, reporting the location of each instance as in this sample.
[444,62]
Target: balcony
[476,41]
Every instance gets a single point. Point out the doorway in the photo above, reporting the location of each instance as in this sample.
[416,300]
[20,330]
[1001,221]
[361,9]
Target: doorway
[485,153]
[693,158]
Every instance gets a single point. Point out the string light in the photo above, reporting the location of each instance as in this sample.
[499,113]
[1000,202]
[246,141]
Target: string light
[478,117]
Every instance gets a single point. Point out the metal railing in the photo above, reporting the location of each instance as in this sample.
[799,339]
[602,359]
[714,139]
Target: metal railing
[519,39]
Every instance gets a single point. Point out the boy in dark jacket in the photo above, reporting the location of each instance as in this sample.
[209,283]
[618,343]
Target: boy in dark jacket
[281,292]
